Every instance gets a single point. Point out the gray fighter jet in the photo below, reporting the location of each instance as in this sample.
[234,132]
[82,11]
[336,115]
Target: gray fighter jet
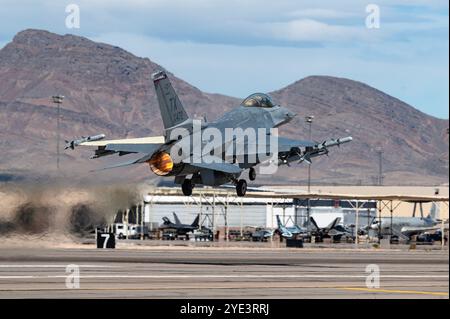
[180,228]
[289,232]
[197,152]
[334,230]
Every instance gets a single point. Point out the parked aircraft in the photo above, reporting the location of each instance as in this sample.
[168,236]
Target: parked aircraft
[180,228]
[405,227]
[289,232]
[333,230]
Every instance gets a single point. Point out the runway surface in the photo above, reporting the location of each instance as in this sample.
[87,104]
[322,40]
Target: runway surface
[184,272]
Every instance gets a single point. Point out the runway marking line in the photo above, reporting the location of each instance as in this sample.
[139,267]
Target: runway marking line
[225,288]
[416,292]
[56,266]
[221,276]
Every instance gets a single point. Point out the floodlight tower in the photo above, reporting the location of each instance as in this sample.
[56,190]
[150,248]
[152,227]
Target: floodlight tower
[309,120]
[58,99]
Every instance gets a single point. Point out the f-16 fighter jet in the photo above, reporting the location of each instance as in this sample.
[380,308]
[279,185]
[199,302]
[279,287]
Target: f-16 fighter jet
[197,152]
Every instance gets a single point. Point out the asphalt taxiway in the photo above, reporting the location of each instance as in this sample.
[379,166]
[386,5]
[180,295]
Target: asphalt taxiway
[192,272]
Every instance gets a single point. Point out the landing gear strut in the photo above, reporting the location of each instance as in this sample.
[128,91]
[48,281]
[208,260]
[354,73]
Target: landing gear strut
[252,174]
[187,187]
[241,187]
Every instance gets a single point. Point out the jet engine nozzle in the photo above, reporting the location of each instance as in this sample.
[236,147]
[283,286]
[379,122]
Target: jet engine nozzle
[161,163]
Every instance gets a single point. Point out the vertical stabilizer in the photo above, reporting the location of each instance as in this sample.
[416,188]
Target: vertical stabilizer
[177,220]
[280,225]
[172,111]
[196,221]
[434,211]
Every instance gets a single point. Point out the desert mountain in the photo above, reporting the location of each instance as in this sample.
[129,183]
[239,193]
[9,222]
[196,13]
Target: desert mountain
[108,90]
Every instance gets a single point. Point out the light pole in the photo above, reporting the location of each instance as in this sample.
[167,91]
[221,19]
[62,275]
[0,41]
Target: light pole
[309,120]
[57,99]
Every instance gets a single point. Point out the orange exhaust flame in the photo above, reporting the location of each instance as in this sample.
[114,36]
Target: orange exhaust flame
[161,163]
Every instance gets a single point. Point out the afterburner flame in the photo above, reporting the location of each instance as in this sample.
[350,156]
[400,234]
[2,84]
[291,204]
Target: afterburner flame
[161,163]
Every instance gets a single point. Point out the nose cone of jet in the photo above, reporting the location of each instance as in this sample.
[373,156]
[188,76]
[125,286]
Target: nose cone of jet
[288,115]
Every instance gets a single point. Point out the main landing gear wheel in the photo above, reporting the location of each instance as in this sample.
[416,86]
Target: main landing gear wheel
[241,187]
[187,187]
[252,174]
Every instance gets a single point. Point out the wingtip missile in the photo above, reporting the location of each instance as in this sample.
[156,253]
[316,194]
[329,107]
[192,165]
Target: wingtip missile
[345,139]
[73,143]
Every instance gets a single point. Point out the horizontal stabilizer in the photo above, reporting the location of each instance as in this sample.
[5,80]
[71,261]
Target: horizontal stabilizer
[115,166]
[131,162]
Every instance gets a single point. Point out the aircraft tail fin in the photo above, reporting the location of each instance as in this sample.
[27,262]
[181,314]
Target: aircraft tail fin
[172,111]
[434,211]
[175,217]
[280,225]
[313,221]
[334,223]
[196,221]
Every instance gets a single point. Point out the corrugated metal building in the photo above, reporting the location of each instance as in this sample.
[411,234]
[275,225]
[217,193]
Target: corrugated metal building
[257,212]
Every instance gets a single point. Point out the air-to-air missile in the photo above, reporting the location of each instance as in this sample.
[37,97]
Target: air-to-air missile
[322,148]
[73,143]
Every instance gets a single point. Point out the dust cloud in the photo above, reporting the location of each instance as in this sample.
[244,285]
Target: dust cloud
[61,212]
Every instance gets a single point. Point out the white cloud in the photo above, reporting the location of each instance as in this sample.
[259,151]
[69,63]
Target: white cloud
[241,70]
[319,13]
[315,31]
[235,47]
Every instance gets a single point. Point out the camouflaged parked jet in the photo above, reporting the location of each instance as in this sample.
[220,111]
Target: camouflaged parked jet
[197,152]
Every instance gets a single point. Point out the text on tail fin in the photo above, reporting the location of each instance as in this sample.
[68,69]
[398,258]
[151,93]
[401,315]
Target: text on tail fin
[172,111]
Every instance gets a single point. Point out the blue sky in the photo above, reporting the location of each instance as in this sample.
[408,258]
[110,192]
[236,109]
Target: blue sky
[238,47]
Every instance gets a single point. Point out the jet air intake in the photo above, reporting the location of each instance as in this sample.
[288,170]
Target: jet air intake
[161,163]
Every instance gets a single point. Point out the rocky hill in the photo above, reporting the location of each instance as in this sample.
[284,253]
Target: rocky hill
[108,90]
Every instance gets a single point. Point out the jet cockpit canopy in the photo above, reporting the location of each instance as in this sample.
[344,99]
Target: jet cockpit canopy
[258,100]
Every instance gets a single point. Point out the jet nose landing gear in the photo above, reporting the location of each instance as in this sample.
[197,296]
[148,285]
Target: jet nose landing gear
[241,187]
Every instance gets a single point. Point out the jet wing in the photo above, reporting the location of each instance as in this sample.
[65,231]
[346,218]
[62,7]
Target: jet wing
[286,144]
[410,231]
[147,145]
[291,150]
[213,163]
[133,148]
[252,147]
